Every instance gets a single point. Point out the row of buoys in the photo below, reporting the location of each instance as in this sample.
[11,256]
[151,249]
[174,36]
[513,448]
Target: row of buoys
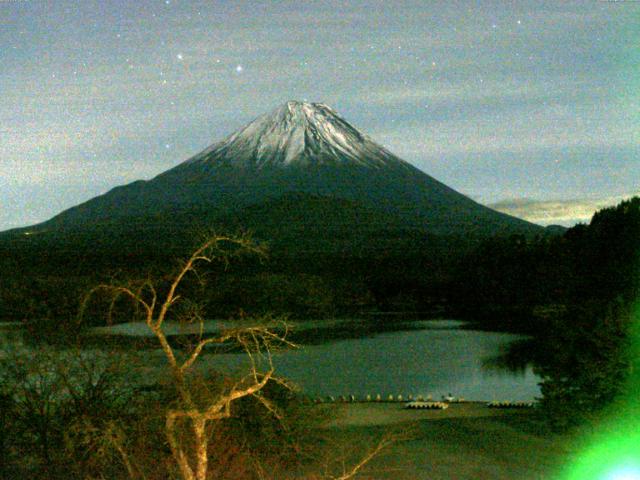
[427,405]
[373,398]
[419,401]
[508,404]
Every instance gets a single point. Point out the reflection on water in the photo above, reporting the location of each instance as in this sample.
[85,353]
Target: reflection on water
[516,356]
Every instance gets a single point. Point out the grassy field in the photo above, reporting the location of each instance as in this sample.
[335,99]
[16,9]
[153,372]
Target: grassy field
[466,441]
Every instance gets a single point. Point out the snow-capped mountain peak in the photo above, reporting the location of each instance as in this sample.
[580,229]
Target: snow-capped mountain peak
[297,133]
[309,161]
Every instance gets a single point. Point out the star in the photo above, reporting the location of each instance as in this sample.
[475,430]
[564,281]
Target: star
[180,56]
[519,22]
[239,69]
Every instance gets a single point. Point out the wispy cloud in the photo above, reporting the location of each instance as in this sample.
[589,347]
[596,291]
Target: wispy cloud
[556,212]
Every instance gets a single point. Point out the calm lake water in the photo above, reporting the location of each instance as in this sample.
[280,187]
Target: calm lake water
[438,359]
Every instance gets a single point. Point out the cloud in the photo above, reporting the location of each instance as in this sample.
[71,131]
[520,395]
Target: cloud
[556,212]
[519,129]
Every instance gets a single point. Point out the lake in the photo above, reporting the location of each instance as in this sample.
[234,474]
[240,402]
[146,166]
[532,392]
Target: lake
[439,358]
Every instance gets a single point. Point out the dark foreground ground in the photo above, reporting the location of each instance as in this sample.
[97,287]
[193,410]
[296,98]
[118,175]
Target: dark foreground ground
[466,441]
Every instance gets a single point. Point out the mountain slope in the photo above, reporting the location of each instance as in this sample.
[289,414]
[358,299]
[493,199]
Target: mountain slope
[299,148]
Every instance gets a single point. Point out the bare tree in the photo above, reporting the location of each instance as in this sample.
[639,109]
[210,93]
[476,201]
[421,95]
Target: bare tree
[257,342]
[195,412]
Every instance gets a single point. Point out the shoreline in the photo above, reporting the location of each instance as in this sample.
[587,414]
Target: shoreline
[467,441]
[369,414]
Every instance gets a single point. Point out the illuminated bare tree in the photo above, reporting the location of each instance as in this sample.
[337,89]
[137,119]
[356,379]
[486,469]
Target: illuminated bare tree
[192,412]
[257,342]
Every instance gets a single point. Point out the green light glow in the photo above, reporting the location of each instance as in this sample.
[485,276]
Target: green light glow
[614,452]
[628,472]
[613,458]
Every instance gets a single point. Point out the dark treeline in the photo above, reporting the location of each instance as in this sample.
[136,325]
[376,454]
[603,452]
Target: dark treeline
[513,283]
[45,275]
[580,307]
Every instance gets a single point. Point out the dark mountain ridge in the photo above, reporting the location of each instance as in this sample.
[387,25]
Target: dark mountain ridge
[299,148]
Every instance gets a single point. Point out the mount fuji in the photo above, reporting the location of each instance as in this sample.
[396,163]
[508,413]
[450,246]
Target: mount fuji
[299,168]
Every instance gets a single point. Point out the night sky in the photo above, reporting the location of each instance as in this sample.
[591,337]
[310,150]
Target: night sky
[532,107]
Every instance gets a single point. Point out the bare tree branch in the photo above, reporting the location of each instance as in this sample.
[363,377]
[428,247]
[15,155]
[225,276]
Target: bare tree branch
[198,349]
[347,474]
[191,413]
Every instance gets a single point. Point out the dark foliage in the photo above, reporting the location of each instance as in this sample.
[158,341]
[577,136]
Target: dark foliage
[586,362]
[64,415]
[582,345]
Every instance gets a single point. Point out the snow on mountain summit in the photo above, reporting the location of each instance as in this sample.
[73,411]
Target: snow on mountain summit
[297,133]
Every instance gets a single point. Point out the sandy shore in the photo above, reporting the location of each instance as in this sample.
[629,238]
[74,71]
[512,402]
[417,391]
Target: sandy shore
[467,441]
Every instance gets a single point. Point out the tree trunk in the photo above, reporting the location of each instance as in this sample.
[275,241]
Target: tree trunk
[199,425]
[178,453]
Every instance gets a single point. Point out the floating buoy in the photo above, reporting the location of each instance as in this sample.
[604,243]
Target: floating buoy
[427,405]
[509,404]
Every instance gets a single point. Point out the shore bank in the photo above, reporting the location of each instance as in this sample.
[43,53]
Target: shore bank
[467,441]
